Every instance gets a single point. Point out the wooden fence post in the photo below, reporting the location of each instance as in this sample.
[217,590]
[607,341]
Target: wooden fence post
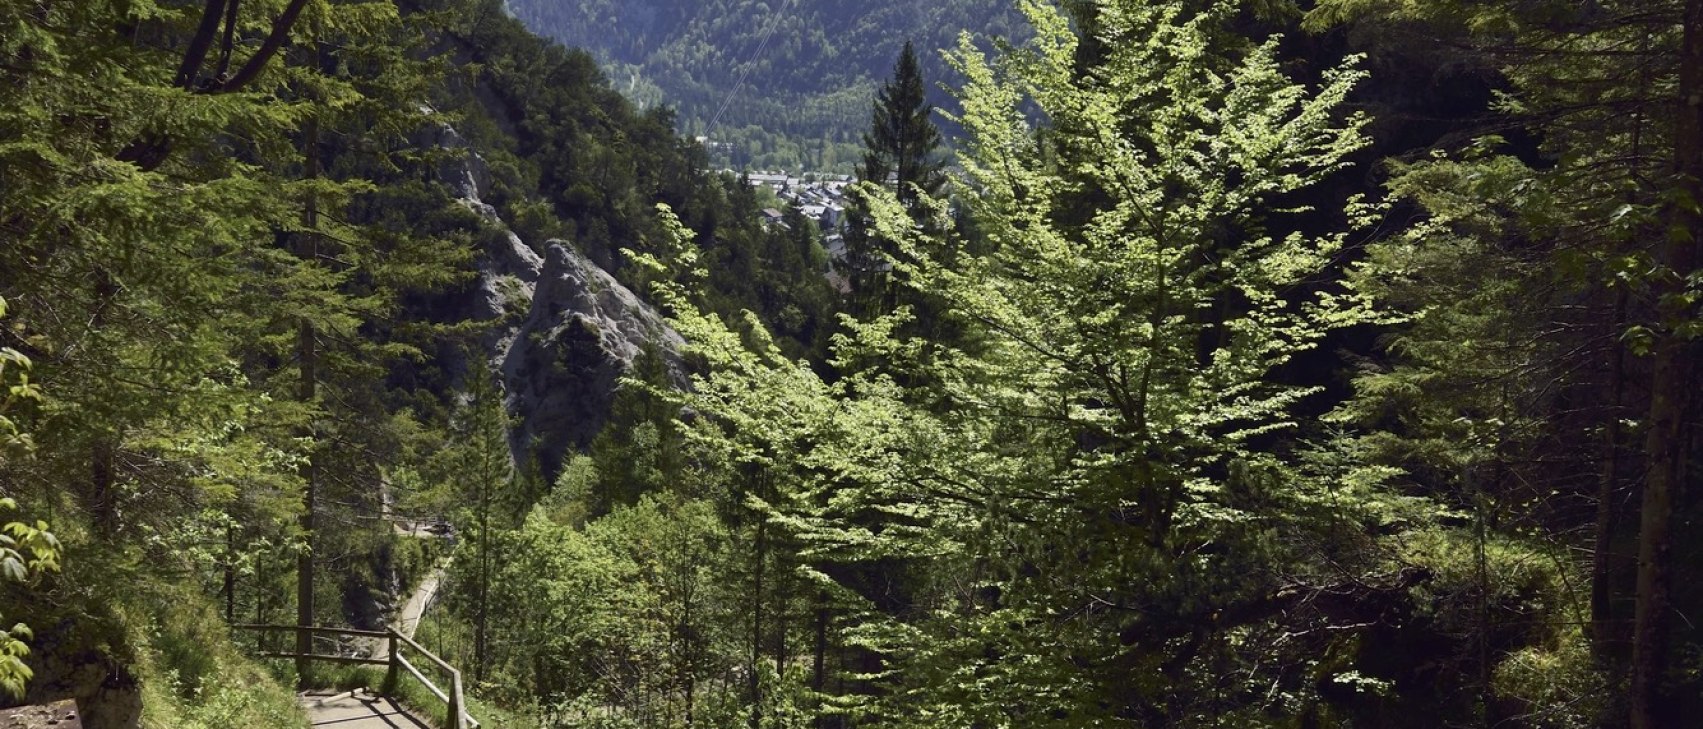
[455,721]
[391,675]
[304,660]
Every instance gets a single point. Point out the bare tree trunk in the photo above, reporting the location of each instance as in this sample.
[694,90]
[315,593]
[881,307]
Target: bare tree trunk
[819,673]
[103,453]
[1603,631]
[1670,395]
[691,667]
[307,354]
[756,684]
[103,478]
[783,599]
[230,573]
[481,622]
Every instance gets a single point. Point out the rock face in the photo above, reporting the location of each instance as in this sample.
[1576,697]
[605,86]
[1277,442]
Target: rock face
[87,659]
[564,362]
[563,331]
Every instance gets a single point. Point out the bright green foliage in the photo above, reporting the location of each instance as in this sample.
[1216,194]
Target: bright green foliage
[1108,496]
[15,377]
[193,674]
[620,619]
[26,550]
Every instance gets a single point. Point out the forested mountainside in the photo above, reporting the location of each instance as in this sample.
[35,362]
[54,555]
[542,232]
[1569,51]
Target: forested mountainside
[251,262]
[1259,363]
[787,83]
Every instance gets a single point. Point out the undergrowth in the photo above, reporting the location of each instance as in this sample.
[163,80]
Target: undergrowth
[191,673]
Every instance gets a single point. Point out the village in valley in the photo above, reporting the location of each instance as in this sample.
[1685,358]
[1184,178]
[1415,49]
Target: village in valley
[820,197]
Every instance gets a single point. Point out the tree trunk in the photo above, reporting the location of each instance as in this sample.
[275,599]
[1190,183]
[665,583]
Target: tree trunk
[103,482]
[308,389]
[819,673]
[230,587]
[1670,395]
[783,598]
[482,614]
[756,684]
[691,663]
[1604,634]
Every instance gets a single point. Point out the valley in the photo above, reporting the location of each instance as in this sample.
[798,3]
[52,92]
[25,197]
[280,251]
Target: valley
[783,364]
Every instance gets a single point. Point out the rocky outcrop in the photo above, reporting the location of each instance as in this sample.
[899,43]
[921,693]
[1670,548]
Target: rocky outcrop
[87,659]
[564,362]
[563,331]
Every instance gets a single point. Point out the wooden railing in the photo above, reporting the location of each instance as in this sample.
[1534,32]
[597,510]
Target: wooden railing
[394,664]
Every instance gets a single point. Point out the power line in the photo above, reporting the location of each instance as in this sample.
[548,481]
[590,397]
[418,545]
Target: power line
[761,46]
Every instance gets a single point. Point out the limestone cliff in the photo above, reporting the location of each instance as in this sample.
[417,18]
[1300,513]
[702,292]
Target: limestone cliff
[563,331]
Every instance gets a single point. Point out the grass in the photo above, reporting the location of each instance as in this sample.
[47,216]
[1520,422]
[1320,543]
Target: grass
[192,675]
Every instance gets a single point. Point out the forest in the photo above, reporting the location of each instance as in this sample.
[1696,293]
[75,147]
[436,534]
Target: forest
[1188,364]
[786,84]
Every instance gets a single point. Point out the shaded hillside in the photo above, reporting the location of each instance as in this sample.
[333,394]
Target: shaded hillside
[812,79]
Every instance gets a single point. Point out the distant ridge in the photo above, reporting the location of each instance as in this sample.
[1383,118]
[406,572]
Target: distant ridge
[813,80]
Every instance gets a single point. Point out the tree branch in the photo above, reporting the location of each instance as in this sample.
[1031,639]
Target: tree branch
[1358,600]
[151,149]
[196,54]
[230,40]
[274,41]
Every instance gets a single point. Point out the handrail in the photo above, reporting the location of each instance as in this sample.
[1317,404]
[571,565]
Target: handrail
[311,629]
[454,697]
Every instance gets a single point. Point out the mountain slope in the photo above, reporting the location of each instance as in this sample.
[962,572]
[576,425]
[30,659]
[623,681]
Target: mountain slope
[809,67]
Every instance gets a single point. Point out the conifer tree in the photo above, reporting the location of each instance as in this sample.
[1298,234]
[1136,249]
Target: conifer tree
[158,231]
[901,147]
[484,471]
[1550,271]
[901,151]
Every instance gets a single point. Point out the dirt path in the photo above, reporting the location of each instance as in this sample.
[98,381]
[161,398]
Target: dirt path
[407,619]
[359,710]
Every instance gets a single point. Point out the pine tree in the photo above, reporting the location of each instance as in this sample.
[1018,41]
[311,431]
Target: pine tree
[902,144]
[158,231]
[901,151]
[484,471]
